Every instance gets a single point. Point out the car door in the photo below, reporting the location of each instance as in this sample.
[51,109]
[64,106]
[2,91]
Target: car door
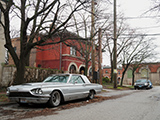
[78,87]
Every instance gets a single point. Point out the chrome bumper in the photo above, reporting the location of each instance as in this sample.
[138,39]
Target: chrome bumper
[28,99]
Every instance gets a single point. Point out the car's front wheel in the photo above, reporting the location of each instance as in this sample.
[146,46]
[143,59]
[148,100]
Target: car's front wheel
[55,99]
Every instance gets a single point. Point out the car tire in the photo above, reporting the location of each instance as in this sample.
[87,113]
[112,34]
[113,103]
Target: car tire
[55,99]
[91,94]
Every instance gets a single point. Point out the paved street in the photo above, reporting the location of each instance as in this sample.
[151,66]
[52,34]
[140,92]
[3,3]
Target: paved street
[139,105]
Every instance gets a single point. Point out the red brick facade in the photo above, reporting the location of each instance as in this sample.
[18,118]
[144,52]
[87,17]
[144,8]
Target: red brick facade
[107,72]
[58,56]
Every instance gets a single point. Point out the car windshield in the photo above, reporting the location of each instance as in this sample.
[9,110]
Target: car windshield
[57,78]
[141,81]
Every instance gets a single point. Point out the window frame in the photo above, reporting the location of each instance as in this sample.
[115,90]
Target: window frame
[73,51]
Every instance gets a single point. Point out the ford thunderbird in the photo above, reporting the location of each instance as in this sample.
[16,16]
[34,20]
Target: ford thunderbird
[54,90]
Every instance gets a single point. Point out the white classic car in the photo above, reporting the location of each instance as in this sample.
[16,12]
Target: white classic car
[54,89]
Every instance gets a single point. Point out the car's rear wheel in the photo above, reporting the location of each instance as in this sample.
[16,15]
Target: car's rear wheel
[91,94]
[55,99]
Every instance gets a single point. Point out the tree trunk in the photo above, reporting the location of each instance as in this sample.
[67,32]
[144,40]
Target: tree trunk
[125,69]
[123,73]
[133,78]
[19,79]
[27,59]
[111,72]
[86,67]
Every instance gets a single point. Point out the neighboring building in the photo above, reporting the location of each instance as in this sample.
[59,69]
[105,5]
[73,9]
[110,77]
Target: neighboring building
[149,71]
[16,45]
[107,72]
[2,48]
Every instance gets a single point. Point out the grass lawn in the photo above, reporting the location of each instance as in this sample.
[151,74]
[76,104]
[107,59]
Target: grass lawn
[110,86]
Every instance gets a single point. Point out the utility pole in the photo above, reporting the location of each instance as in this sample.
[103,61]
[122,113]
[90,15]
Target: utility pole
[115,46]
[92,38]
[100,56]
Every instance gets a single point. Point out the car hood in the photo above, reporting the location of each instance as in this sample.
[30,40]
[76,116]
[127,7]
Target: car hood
[29,86]
[140,83]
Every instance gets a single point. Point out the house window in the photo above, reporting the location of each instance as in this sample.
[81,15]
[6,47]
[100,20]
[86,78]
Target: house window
[90,72]
[90,56]
[144,73]
[72,50]
[106,71]
[72,69]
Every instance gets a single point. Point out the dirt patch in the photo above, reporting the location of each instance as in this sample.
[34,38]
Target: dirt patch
[3,97]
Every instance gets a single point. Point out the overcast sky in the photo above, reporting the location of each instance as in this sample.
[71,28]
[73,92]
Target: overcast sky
[136,10]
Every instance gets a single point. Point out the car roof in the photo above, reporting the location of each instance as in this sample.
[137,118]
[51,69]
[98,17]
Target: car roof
[67,74]
[142,79]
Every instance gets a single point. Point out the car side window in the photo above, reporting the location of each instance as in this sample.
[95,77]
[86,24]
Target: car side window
[76,79]
[63,79]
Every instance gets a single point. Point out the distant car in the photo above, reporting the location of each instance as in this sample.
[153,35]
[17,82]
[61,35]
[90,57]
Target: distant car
[54,89]
[142,83]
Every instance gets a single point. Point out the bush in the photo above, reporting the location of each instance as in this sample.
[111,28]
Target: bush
[106,80]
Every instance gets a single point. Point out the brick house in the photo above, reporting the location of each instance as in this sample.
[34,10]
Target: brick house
[57,56]
[63,57]
[149,71]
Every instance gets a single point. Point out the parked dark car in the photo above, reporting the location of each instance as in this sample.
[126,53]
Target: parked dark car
[142,84]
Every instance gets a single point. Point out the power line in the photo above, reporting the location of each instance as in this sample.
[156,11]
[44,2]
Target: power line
[136,35]
[154,34]
[149,27]
[140,17]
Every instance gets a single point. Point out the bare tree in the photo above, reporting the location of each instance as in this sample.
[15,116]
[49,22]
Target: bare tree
[34,17]
[82,27]
[122,40]
[155,6]
[136,54]
[129,43]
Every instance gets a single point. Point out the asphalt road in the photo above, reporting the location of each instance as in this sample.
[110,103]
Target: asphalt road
[140,105]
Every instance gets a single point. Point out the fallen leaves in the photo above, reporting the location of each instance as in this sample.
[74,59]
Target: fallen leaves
[40,111]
